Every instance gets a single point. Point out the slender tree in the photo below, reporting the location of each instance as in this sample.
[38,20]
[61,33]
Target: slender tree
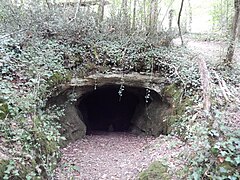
[150,16]
[179,21]
[190,16]
[101,10]
[134,15]
[124,15]
[153,15]
[235,31]
[171,11]
[167,11]
[144,14]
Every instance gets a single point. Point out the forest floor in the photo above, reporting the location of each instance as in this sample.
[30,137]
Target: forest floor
[122,156]
[213,51]
[115,156]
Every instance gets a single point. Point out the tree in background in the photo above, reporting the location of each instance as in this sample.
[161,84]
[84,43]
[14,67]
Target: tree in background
[134,15]
[179,23]
[235,31]
[189,29]
[170,18]
[221,16]
[125,17]
[101,10]
[153,16]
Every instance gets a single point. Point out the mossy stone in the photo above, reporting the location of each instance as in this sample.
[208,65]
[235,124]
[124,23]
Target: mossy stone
[156,171]
[174,95]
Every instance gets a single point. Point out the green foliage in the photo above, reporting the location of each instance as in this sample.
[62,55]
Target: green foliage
[222,16]
[219,159]
[32,67]
[214,141]
[50,49]
[3,167]
[157,170]
[4,111]
[31,135]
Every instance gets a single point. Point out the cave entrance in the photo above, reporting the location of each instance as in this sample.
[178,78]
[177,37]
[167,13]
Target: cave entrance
[141,110]
[105,110]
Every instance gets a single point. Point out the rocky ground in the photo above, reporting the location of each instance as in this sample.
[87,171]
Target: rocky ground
[115,156]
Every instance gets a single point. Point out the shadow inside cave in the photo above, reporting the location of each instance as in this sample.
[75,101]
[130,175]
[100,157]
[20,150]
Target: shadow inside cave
[105,110]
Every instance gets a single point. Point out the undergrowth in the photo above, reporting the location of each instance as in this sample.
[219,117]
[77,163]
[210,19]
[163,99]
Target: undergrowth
[35,59]
[212,137]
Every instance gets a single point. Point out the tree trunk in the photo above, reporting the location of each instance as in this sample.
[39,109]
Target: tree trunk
[170,20]
[101,10]
[144,15]
[179,21]
[150,16]
[153,16]
[125,19]
[190,16]
[235,29]
[134,15]
[167,11]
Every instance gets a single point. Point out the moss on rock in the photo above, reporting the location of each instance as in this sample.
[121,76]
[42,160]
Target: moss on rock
[174,96]
[157,170]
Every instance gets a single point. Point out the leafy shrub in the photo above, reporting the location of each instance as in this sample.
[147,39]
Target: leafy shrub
[213,137]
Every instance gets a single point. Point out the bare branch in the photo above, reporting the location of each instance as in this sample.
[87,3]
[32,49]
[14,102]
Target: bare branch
[76,12]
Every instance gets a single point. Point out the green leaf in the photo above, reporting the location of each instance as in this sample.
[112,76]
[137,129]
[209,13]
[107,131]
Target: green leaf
[16,173]
[196,175]
[232,178]
[222,170]
[237,159]
[228,159]
[5,177]
[76,168]
[9,169]
[223,153]
[28,177]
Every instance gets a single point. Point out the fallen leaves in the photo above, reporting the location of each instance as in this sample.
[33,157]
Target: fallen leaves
[112,155]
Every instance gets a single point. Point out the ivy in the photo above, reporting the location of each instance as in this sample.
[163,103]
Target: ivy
[50,52]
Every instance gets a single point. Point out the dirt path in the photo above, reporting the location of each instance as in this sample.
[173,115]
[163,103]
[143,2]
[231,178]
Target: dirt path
[213,51]
[113,156]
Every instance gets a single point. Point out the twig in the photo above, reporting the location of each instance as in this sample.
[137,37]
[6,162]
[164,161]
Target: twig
[225,90]
[76,12]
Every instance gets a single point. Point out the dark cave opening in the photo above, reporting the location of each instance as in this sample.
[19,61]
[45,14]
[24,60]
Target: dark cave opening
[105,110]
[143,108]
